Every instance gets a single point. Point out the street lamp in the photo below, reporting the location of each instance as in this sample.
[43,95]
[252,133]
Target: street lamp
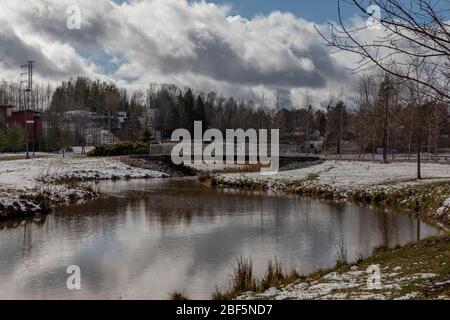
[387,87]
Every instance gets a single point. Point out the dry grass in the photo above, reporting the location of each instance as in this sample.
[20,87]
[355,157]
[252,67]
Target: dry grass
[312,177]
[243,279]
[205,176]
[341,255]
[275,276]
[247,168]
[178,296]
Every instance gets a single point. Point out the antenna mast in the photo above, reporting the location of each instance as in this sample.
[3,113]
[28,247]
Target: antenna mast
[28,80]
[28,75]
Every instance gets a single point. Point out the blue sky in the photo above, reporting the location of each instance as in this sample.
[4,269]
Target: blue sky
[318,11]
[312,10]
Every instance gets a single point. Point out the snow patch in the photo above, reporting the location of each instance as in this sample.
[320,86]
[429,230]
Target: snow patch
[57,180]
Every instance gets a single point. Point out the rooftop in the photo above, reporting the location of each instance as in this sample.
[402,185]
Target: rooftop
[27,110]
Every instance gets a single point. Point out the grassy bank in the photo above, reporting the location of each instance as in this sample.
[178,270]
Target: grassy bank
[416,271]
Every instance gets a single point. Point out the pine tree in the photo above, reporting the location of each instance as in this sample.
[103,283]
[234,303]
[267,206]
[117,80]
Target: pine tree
[187,112]
[199,111]
[16,138]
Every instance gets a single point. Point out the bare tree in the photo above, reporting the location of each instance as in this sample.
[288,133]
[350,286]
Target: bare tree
[416,115]
[365,124]
[414,35]
[438,120]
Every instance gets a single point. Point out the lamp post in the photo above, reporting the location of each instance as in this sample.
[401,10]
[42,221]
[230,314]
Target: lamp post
[387,87]
[28,122]
[26,134]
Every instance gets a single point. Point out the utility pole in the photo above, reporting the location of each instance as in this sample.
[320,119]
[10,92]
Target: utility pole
[28,66]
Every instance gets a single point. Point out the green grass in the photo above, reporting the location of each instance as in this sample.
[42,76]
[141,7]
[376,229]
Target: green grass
[431,255]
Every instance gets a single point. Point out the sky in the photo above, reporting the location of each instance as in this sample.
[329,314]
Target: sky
[245,49]
[313,10]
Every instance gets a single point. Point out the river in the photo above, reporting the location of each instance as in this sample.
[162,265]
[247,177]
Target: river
[145,238]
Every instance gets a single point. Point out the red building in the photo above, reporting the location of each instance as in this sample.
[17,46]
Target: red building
[31,118]
[5,116]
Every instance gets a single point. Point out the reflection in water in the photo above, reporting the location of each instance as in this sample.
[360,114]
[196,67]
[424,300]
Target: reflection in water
[152,237]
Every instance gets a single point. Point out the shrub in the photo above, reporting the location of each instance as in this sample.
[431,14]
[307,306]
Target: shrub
[3,141]
[120,149]
[12,140]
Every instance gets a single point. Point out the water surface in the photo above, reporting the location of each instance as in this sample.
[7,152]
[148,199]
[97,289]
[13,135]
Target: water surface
[148,238]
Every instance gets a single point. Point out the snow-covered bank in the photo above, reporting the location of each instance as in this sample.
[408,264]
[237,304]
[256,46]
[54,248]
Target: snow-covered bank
[353,174]
[391,184]
[215,168]
[29,187]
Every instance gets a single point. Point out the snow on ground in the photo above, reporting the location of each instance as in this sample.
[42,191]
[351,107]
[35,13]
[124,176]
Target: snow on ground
[444,208]
[22,155]
[353,174]
[350,285]
[95,169]
[26,174]
[22,180]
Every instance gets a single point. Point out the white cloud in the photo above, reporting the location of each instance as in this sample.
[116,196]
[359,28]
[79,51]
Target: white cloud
[170,41]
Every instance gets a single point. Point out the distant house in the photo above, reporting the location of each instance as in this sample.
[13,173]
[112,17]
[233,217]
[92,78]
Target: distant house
[152,117]
[86,115]
[122,116]
[315,146]
[30,120]
[5,115]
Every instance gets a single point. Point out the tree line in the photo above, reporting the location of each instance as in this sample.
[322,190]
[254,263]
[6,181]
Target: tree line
[13,93]
[384,115]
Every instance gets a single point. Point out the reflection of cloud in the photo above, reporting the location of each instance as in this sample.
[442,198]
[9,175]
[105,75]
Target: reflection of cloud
[137,245]
[171,41]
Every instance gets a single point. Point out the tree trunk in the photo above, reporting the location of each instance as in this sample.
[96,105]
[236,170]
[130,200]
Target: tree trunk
[419,147]
[338,143]
[436,145]
[364,145]
[373,149]
[385,131]
[409,146]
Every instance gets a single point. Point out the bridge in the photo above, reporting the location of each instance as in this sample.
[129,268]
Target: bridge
[284,161]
